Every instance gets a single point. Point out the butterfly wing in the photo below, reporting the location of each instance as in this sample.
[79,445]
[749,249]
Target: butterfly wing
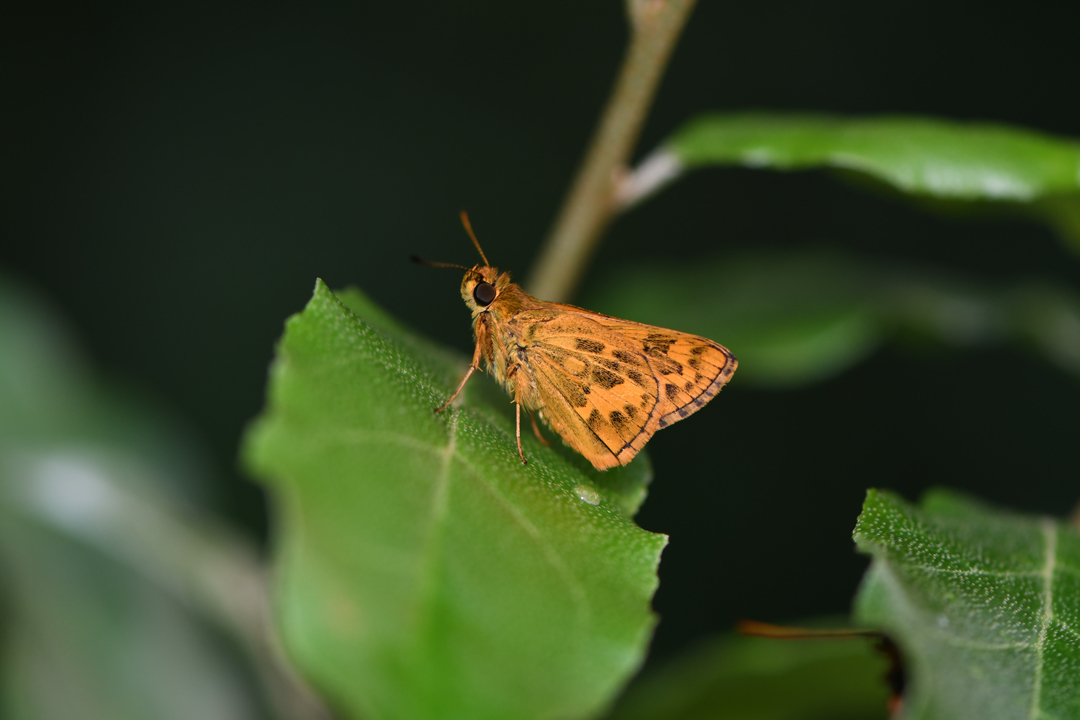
[606,385]
[603,409]
[689,369]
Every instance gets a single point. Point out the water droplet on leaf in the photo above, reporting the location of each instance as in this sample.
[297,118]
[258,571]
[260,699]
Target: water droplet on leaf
[587,494]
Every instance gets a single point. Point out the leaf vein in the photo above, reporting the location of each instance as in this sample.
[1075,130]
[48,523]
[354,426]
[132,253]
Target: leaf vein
[1047,617]
[577,592]
[976,571]
[962,642]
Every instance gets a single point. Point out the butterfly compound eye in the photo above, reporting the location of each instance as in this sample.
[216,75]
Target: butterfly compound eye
[483,293]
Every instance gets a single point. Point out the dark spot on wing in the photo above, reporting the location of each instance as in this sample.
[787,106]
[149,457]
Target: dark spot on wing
[590,346]
[595,419]
[694,362]
[656,341]
[631,411]
[576,395]
[610,364]
[683,412]
[699,350]
[688,386]
[605,378]
[618,420]
[627,357]
[637,378]
[671,390]
[668,366]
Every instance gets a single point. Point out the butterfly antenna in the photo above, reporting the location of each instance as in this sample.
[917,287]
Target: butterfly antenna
[468,229]
[431,263]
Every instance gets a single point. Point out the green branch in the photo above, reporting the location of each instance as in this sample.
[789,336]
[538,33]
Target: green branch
[589,206]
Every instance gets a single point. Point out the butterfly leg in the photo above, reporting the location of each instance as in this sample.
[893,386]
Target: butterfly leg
[473,367]
[520,453]
[536,431]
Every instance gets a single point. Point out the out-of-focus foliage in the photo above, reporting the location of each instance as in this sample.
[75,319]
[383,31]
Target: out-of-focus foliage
[984,603]
[112,577]
[424,572]
[749,678]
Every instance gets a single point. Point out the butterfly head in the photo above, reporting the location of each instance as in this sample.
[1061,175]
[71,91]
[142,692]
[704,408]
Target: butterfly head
[481,286]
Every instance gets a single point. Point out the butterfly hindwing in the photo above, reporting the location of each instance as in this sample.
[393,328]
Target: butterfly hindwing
[603,379]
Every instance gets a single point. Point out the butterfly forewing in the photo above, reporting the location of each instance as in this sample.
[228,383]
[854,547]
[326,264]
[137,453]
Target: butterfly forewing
[688,370]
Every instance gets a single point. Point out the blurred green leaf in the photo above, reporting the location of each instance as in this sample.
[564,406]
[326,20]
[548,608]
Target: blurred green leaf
[104,564]
[1061,212]
[916,155]
[747,678]
[801,317]
[423,571]
[85,636]
[984,603]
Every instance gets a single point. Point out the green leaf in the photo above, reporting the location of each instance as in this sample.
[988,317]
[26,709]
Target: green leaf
[916,155]
[984,603]
[423,571]
[1062,213]
[801,317]
[746,678]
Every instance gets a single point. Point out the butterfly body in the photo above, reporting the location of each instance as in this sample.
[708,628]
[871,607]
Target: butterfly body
[605,385]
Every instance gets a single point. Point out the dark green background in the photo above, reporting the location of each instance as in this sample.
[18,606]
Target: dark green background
[176,176]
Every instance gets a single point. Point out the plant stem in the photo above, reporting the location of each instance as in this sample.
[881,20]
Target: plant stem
[655,26]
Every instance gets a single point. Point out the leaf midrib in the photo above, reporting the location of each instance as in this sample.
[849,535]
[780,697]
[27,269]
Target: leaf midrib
[449,454]
[1046,617]
[1049,530]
